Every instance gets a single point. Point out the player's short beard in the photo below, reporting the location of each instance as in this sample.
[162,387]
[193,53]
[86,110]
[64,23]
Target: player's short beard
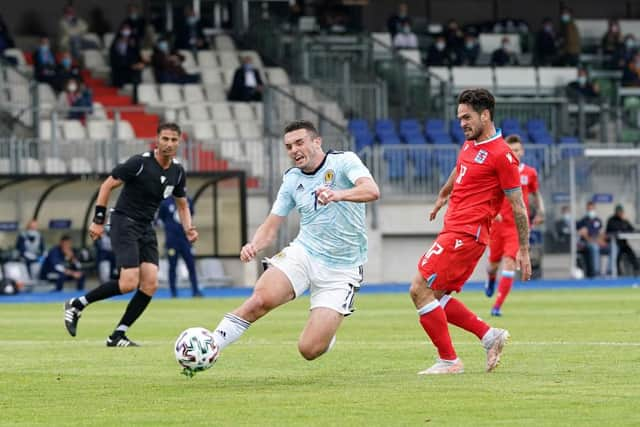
[476,134]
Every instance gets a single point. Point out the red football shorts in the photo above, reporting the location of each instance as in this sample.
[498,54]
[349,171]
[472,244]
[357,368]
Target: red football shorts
[503,241]
[450,261]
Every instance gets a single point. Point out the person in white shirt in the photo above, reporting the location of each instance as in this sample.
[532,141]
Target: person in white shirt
[405,39]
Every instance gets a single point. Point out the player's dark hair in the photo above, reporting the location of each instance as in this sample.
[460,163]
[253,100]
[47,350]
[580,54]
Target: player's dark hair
[514,138]
[65,238]
[301,124]
[169,126]
[478,99]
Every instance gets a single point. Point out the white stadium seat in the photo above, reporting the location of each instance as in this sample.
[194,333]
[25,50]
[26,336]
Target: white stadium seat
[471,77]
[198,112]
[73,129]
[203,131]
[211,272]
[552,78]
[243,111]
[206,59]
[277,76]
[250,130]
[490,41]
[211,76]
[30,166]
[147,94]
[54,165]
[515,80]
[193,93]
[216,92]
[99,129]
[221,111]
[170,93]
[80,165]
[224,42]
[226,130]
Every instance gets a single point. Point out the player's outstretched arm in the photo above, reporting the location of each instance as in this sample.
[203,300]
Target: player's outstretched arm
[539,218]
[443,195]
[185,219]
[364,190]
[97,226]
[265,235]
[522,226]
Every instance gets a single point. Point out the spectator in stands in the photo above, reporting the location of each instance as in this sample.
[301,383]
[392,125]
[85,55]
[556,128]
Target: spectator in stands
[136,22]
[612,39]
[125,59]
[247,83]
[546,46]
[592,240]
[438,54]
[504,55]
[583,88]
[396,22]
[470,51]
[405,39]
[631,73]
[455,38]
[76,100]
[105,258]
[72,29]
[617,223]
[564,225]
[625,52]
[570,39]
[189,34]
[30,245]
[167,65]
[61,265]
[44,63]
[6,41]
[67,69]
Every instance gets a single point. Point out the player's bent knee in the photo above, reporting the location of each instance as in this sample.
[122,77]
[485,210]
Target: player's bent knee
[149,288]
[311,351]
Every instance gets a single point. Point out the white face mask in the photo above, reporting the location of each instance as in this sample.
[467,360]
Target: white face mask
[582,80]
[125,33]
[72,87]
[591,214]
[567,217]
[440,46]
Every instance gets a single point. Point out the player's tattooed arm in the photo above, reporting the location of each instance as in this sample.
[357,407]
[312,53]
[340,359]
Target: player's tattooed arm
[520,215]
[443,195]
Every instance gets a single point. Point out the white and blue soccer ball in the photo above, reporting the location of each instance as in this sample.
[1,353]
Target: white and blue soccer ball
[195,350]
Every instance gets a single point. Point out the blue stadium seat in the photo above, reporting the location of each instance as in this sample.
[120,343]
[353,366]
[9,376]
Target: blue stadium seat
[385,125]
[421,164]
[437,125]
[389,139]
[439,138]
[396,163]
[409,125]
[456,131]
[358,124]
[414,138]
[570,146]
[510,126]
[569,140]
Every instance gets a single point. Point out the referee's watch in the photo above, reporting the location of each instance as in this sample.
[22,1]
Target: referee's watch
[100,215]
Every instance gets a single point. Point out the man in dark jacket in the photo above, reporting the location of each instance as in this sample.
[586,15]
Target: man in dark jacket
[247,83]
[61,265]
[617,223]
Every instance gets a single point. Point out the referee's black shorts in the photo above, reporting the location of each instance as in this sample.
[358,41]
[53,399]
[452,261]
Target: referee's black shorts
[133,242]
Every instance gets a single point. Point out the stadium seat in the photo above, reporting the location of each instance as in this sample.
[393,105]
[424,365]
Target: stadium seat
[189,63]
[277,76]
[17,55]
[233,150]
[94,60]
[221,111]
[99,129]
[80,165]
[211,76]
[193,93]
[170,93]
[203,131]
[511,126]
[207,59]
[147,94]
[17,270]
[471,77]
[224,42]
[228,60]
[54,165]
[30,165]
[491,41]
[456,132]
[73,130]
[255,153]
[226,130]
[250,130]
[216,92]
[5,165]
[124,130]
[243,112]
[554,79]
[516,80]
[396,163]
[198,112]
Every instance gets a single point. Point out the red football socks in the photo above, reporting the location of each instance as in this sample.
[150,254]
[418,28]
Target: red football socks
[504,287]
[458,314]
[434,322]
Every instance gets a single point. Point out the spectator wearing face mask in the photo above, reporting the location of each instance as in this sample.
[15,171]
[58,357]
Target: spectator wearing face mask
[396,22]
[546,45]
[612,39]
[76,100]
[470,51]
[125,60]
[570,39]
[405,39]
[136,22]
[71,30]
[504,55]
[564,225]
[67,69]
[247,83]
[625,53]
[592,240]
[583,88]
[631,73]
[167,65]
[30,245]
[438,54]
[44,63]
[190,35]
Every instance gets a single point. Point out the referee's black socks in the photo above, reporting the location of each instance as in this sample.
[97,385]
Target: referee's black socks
[135,308]
[104,291]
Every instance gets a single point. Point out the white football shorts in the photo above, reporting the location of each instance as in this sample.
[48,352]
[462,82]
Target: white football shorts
[332,288]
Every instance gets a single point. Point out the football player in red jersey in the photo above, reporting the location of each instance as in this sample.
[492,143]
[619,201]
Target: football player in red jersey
[486,172]
[503,242]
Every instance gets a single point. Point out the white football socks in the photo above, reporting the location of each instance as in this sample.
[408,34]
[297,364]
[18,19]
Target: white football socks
[230,328]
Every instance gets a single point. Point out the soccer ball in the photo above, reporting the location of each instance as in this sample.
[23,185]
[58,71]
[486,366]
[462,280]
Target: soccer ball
[195,350]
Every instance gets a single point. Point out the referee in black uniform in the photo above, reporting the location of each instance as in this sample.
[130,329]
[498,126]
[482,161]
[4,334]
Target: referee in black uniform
[148,178]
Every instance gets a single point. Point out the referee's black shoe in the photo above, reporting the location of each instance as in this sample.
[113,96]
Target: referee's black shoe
[71,316]
[120,340]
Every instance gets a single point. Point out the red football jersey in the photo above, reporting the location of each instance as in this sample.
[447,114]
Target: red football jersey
[529,184]
[485,170]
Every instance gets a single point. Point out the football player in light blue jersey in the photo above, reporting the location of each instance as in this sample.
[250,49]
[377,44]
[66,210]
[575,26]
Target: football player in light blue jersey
[329,191]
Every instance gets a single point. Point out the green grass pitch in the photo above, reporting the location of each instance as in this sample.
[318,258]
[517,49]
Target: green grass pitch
[573,359]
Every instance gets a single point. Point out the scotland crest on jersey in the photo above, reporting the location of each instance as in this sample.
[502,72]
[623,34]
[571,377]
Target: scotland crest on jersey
[481,156]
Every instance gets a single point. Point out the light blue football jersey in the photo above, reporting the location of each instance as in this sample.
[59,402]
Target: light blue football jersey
[333,234]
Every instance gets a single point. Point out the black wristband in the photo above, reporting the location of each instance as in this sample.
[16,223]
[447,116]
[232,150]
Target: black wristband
[100,215]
